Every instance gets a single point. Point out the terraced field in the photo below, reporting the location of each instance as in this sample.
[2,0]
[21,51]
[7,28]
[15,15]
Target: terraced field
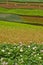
[20,21]
[21,32]
[11,32]
[37,20]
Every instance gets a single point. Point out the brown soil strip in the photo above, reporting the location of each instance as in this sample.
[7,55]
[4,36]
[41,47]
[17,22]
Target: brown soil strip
[22,5]
[32,19]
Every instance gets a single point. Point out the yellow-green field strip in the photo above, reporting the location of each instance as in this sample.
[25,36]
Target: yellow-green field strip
[32,12]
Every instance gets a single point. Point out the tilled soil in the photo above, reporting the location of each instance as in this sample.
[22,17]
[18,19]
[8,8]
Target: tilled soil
[33,19]
[22,5]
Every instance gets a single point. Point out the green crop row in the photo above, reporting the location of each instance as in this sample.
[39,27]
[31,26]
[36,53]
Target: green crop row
[14,25]
[20,19]
[31,12]
[26,0]
[21,54]
[22,0]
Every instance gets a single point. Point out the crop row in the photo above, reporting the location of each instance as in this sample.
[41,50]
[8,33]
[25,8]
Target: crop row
[21,0]
[31,12]
[21,54]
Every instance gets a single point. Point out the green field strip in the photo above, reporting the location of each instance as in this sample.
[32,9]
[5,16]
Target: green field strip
[20,19]
[11,25]
[21,0]
[27,0]
[31,12]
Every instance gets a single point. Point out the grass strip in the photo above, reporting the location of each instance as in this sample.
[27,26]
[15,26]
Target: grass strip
[31,12]
[6,24]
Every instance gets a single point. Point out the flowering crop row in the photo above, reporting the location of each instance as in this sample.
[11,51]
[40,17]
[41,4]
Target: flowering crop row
[21,54]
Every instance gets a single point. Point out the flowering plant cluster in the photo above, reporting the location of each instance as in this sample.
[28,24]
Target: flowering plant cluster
[21,54]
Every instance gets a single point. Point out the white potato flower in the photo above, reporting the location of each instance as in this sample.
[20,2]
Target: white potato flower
[40,57]
[21,50]
[9,53]
[3,50]
[34,48]
[28,46]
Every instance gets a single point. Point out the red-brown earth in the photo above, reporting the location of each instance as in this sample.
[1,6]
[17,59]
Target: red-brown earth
[22,5]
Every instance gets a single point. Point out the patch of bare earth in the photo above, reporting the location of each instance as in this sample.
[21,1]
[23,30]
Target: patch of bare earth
[22,5]
[33,19]
[20,35]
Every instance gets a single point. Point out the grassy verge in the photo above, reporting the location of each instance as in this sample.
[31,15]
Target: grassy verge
[31,12]
[19,54]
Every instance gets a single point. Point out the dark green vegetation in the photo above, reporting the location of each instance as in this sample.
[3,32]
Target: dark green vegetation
[26,0]
[21,54]
[21,19]
[21,0]
[11,18]
[3,1]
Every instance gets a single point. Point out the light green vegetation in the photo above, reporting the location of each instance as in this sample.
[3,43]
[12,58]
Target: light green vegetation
[6,24]
[18,54]
[32,12]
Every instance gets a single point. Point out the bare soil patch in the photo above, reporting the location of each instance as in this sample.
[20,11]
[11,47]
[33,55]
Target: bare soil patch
[33,19]
[20,35]
[22,5]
